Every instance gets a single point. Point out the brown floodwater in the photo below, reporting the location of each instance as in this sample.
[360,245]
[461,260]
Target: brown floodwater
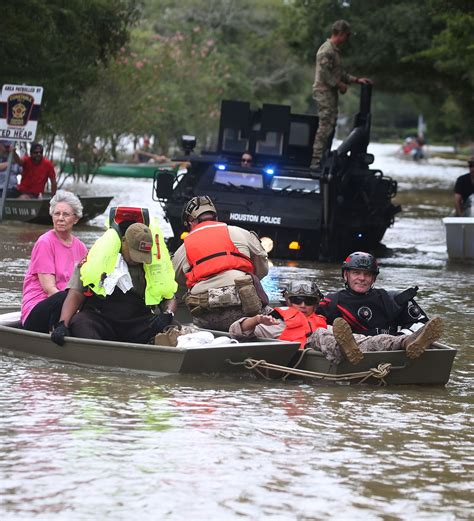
[78,443]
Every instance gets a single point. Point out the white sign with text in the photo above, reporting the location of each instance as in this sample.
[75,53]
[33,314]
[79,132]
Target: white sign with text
[19,112]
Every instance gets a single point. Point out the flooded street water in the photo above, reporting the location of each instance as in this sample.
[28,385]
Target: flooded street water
[79,443]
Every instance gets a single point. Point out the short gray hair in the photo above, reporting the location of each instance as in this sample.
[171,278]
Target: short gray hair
[63,196]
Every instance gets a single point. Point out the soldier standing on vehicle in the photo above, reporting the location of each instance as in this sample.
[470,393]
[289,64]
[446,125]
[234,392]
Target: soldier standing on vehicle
[330,79]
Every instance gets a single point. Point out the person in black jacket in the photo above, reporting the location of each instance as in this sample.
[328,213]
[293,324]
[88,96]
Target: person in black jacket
[463,191]
[374,311]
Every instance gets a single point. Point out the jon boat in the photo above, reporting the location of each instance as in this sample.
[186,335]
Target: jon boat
[37,210]
[151,358]
[270,358]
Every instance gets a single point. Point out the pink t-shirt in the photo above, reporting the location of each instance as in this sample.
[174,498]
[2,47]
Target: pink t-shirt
[49,256]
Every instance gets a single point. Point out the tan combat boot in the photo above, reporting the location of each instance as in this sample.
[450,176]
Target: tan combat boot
[417,343]
[343,334]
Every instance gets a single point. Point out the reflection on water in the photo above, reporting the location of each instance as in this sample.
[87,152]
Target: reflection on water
[89,444]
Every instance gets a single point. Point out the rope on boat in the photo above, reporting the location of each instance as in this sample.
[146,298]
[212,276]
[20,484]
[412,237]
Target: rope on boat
[379,372]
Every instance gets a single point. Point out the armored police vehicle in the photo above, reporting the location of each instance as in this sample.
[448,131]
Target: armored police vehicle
[297,212]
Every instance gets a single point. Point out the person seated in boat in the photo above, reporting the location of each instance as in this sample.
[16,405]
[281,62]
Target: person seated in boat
[463,190]
[372,311]
[127,272]
[15,169]
[55,255]
[145,154]
[299,322]
[221,266]
[37,169]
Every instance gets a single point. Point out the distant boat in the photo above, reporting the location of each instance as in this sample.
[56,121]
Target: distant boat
[136,170]
[37,210]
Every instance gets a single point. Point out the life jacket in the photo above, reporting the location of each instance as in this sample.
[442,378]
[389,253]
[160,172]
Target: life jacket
[210,250]
[102,258]
[298,326]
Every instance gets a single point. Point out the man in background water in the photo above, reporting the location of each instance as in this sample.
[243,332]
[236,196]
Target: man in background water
[463,190]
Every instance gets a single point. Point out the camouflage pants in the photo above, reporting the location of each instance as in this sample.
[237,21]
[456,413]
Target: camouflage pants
[219,308]
[324,341]
[327,113]
[219,319]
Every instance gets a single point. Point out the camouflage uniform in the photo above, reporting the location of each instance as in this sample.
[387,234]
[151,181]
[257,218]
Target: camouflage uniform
[329,73]
[224,313]
[222,285]
[324,341]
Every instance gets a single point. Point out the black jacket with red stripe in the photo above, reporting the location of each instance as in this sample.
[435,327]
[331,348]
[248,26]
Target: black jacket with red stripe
[374,312]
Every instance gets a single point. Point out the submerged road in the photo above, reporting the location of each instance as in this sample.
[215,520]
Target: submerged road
[78,443]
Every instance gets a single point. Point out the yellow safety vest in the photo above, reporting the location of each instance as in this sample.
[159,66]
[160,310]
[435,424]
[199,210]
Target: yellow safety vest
[159,275]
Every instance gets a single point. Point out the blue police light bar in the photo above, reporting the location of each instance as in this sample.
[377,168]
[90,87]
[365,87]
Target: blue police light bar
[221,167]
[269,170]
[360,235]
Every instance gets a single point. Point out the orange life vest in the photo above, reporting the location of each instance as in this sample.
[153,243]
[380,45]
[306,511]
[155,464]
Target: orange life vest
[298,326]
[210,250]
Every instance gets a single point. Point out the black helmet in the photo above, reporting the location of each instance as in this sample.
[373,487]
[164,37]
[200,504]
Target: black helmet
[360,260]
[196,207]
[302,289]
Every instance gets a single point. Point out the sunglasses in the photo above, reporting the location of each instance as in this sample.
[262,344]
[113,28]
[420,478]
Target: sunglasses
[307,301]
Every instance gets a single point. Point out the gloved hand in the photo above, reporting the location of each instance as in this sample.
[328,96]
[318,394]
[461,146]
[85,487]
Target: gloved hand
[59,332]
[159,322]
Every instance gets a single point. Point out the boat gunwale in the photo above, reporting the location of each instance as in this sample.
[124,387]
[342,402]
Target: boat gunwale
[130,345]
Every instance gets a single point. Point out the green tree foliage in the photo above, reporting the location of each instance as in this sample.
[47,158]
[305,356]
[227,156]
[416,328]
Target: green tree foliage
[208,50]
[182,60]
[59,44]
[64,46]
[247,35]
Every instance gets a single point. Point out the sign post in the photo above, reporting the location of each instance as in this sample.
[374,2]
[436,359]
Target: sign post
[19,112]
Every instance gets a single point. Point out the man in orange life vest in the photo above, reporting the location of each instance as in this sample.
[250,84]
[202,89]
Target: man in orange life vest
[221,266]
[299,322]
[296,322]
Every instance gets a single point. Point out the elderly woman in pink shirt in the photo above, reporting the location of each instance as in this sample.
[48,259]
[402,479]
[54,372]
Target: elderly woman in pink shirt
[54,256]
